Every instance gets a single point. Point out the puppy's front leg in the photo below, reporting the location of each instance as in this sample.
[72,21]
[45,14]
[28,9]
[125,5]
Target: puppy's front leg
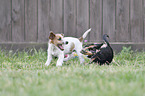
[60,59]
[49,58]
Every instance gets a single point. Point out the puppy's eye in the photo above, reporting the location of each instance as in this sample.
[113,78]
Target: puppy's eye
[66,42]
[59,39]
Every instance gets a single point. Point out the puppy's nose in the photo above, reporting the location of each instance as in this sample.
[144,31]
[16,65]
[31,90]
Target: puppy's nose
[65,42]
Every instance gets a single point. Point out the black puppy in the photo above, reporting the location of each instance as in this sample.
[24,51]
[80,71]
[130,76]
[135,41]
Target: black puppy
[99,53]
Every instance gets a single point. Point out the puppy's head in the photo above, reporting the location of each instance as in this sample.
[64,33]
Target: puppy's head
[57,40]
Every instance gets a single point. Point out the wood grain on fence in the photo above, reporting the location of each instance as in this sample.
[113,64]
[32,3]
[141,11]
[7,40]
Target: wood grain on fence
[18,31]
[136,19]
[70,18]
[144,20]
[5,21]
[32,20]
[82,17]
[43,19]
[96,20]
[109,18]
[56,16]
[122,21]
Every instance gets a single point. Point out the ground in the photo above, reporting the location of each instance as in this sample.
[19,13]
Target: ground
[24,74]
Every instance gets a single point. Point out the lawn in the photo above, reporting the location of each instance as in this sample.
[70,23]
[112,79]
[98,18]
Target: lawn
[24,74]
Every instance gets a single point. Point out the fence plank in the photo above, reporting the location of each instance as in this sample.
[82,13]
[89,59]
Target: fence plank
[96,20]
[136,18]
[144,18]
[17,20]
[70,18]
[82,17]
[5,20]
[109,18]
[122,20]
[56,16]
[43,20]
[31,20]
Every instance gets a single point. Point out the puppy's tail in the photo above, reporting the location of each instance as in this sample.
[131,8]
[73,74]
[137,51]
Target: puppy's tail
[84,35]
[105,39]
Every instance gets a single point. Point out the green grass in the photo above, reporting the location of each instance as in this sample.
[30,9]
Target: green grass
[24,74]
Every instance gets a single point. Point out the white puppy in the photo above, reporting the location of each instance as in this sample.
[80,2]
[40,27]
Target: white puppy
[59,46]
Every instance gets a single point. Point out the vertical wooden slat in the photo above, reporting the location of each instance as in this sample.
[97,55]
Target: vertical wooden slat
[96,20]
[31,20]
[43,20]
[136,19]
[56,16]
[122,20]
[70,18]
[17,20]
[82,17]
[5,20]
[144,19]
[32,23]
[109,18]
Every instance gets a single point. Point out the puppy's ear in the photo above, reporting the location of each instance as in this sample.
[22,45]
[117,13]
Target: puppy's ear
[62,34]
[52,35]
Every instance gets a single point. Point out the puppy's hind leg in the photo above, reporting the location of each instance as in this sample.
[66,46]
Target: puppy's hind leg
[81,58]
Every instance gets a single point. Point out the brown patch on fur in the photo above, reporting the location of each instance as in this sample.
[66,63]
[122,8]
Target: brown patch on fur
[72,47]
[81,39]
[51,41]
[62,34]
[52,35]
[97,51]
[89,47]
[56,39]
[93,59]
[88,53]
[107,62]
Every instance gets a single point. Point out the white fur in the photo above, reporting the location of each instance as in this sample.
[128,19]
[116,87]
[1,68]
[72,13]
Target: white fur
[55,51]
[77,48]
[104,45]
[86,33]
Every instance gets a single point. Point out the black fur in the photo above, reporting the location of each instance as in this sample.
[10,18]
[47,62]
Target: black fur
[99,54]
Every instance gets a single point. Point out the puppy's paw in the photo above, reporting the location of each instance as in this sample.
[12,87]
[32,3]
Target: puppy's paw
[46,64]
[58,65]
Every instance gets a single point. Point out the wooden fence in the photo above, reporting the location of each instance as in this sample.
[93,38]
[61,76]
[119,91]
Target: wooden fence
[31,20]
